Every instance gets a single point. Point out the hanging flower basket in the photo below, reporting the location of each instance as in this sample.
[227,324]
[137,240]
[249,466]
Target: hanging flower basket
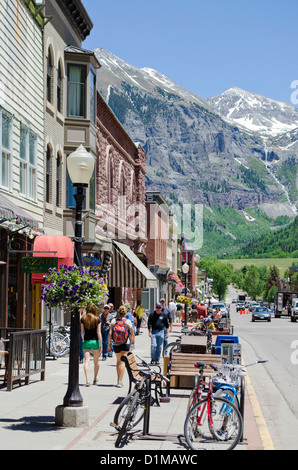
[184,299]
[74,286]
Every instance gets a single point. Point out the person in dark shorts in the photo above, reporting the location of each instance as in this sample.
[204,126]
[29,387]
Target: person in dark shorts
[91,336]
[121,331]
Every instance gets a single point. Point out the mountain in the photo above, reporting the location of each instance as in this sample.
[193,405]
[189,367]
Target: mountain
[212,152]
[255,113]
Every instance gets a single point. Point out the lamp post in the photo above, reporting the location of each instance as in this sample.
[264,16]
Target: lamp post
[185,270]
[80,165]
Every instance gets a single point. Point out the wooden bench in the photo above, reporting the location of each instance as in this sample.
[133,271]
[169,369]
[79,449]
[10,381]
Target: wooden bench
[3,375]
[181,369]
[134,374]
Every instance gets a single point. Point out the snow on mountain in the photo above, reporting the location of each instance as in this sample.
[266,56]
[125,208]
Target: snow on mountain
[254,112]
[145,78]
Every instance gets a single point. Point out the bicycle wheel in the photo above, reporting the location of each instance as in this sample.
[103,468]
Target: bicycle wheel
[194,396]
[59,345]
[122,412]
[214,424]
[129,417]
[229,395]
[174,347]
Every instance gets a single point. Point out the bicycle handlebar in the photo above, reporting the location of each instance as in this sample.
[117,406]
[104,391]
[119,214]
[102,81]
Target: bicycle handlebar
[150,370]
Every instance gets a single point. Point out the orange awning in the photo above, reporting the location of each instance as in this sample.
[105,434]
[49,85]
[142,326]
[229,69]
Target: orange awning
[53,246]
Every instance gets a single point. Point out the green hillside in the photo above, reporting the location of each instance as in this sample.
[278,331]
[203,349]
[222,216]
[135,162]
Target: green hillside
[227,230]
[279,243]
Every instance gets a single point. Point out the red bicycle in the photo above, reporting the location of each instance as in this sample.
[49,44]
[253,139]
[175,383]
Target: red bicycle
[212,423]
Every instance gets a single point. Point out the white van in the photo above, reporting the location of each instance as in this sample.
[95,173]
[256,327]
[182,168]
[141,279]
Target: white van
[294,311]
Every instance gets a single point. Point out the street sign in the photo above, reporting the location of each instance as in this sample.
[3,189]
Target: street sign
[36,264]
[93,264]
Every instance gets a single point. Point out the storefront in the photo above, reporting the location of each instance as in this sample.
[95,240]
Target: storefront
[17,231]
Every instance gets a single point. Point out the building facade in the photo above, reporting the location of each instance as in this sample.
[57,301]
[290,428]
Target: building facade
[120,208]
[22,153]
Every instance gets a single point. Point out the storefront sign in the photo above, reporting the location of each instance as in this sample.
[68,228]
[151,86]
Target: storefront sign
[34,264]
[93,264]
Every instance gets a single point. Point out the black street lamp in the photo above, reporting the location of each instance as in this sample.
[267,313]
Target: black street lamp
[185,270]
[80,166]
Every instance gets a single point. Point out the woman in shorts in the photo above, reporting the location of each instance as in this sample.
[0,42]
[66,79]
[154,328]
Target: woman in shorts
[121,349]
[91,335]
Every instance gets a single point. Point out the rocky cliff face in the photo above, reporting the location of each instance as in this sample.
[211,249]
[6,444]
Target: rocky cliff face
[215,152]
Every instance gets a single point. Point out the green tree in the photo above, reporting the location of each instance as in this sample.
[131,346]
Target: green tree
[271,280]
[221,274]
[252,283]
[271,294]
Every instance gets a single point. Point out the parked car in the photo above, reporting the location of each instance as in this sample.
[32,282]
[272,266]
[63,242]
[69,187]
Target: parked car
[224,309]
[261,313]
[294,311]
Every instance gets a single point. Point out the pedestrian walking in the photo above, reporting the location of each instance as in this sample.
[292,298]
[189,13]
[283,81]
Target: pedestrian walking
[139,312]
[105,323]
[158,328]
[202,311]
[91,336]
[167,311]
[173,309]
[121,331]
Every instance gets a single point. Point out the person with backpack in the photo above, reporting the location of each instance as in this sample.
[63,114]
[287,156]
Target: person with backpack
[122,334]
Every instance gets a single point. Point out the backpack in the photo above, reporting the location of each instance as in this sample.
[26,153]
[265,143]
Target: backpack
[120,332]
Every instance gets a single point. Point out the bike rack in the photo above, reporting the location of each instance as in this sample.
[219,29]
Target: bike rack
[147,407]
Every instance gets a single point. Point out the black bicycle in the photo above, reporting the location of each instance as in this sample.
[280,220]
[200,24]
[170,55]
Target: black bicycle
[132,409]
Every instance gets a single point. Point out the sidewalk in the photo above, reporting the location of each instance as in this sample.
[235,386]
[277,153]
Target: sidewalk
[27,414]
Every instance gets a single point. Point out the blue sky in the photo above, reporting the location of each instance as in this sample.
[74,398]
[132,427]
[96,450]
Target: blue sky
[207,46]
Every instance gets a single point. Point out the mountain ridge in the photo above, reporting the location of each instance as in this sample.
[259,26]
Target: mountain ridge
[194,154]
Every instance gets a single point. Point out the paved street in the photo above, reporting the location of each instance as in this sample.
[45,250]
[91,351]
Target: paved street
[276,383]
[27,413]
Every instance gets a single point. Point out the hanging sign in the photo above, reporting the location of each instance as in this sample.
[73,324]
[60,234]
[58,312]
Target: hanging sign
[93,264]
[36,264]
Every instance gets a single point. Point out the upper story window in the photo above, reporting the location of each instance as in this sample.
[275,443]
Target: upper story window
[59,89]
[28,163]
[49,76]
[48,173]
[76,91]
[58,180]
[6,150]
[92,95]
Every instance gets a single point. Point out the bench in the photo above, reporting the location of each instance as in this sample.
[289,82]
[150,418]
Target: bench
[134,374]
[181,370]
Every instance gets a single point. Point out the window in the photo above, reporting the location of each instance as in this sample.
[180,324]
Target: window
[58,179]
[49,76]
[6,152]
[92,96]
[92,192]
[28,163]
[59,89]
[48,174]
[76,90]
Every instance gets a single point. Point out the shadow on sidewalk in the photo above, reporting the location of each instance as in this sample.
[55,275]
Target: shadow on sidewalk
[31,424]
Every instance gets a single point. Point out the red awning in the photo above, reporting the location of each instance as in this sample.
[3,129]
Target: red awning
[175,277]
[53,246]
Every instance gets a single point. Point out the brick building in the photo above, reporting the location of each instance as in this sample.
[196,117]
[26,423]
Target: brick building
[120,207]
